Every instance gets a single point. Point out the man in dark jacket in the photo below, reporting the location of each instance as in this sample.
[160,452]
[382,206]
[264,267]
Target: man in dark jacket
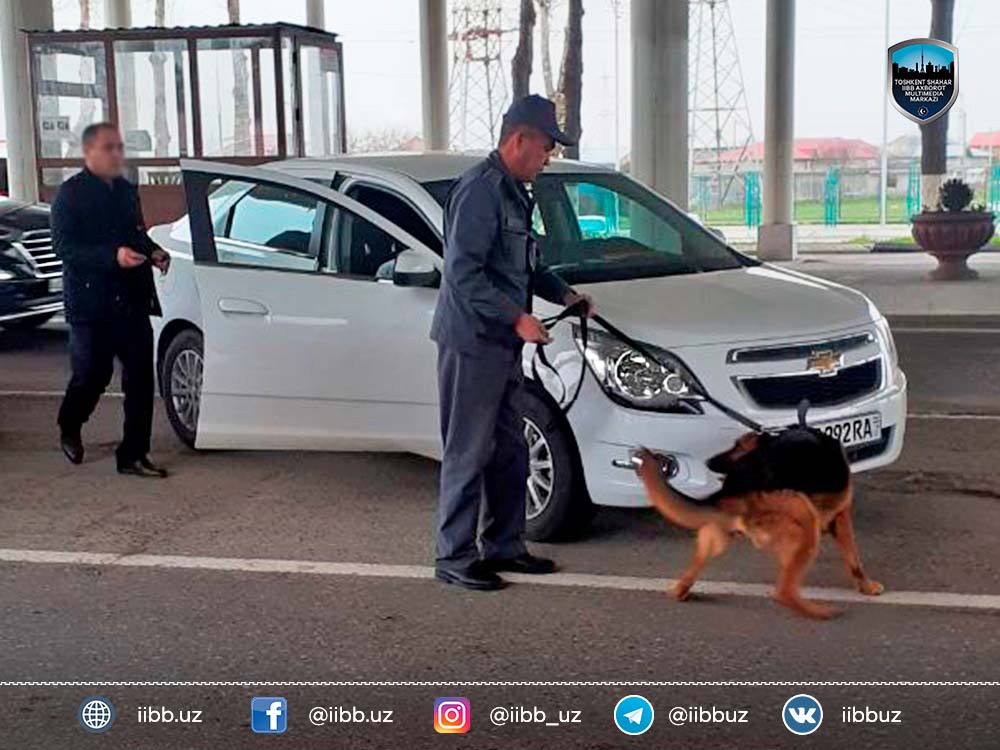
[482,321]
[98,231]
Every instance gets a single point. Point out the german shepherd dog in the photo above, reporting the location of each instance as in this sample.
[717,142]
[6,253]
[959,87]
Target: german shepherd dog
[781,491]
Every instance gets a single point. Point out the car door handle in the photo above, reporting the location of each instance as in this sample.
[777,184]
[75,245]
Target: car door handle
[236,306]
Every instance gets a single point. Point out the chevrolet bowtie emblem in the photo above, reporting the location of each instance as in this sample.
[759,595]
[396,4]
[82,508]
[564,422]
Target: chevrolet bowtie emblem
[825,362]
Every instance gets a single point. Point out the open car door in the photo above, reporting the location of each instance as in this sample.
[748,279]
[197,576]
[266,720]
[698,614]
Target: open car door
[315,313]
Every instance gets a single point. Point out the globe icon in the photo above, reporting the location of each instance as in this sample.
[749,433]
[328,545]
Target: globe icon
[96,714]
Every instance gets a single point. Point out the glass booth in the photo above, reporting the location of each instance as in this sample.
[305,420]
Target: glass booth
[245,94]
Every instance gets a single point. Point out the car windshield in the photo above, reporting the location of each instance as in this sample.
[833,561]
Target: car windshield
[595,227]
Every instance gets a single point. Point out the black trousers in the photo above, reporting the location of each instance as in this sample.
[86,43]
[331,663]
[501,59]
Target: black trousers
[93,348]
[484,469]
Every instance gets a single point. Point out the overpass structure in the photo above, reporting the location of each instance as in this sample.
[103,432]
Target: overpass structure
[660,84]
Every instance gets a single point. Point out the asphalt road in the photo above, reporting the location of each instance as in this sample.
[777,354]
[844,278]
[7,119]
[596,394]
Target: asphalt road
[180,603]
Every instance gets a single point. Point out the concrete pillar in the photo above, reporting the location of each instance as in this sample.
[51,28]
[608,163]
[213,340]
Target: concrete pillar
[316,14]
[118,15]
[659,155]
[434,72]
[776,239]
[22,164]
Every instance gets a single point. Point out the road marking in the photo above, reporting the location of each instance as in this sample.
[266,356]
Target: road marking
[932,599]
[946,415]
[953,330]
[50,394]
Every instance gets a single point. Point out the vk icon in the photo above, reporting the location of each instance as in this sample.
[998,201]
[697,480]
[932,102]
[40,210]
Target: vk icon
[268,715]
[634,714]
[802,714]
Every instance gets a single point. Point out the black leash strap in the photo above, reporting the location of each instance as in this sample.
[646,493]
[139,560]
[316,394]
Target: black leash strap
[579,310]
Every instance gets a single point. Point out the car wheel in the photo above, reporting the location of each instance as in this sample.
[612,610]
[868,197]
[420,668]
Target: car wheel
[558,506]
[180,383]
[27,324]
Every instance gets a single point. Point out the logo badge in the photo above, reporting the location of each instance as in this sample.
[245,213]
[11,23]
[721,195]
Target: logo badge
[923,78]
[633,714]
[268,715]
[96,714]
[802,714]
[452,715]
[825,362]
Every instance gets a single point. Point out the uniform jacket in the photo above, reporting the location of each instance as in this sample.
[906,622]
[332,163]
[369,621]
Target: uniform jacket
[491,263]
[90,220]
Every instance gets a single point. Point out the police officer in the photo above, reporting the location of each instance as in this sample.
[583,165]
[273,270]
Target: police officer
[98,231]
[482,321]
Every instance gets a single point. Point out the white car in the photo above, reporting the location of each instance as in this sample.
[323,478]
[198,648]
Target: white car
[298,306]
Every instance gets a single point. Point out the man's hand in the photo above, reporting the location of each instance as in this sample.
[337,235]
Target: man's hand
[530,329]
[573,298]
[129,258]
[161,259]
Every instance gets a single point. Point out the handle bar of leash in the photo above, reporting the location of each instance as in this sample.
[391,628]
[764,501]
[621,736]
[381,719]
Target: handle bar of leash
[579,310]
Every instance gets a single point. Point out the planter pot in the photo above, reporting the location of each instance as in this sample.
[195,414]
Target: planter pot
[951,237]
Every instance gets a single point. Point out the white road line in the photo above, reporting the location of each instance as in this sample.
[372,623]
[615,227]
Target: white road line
[953,330]
[49,394]
[932,599]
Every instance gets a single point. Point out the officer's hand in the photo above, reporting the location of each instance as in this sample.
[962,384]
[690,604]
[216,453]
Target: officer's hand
[161,259]
[129,258]
[573,298]
[530,329]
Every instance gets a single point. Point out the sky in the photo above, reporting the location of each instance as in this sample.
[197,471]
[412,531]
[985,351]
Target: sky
[840,55]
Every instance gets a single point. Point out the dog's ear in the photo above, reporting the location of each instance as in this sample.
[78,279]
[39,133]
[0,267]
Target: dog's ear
[803,410]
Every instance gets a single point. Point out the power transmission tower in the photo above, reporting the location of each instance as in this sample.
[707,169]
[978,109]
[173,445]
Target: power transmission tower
[478,87]
[720,133]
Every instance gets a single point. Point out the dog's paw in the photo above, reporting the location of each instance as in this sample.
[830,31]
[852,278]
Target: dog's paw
[869,587]
[682,590]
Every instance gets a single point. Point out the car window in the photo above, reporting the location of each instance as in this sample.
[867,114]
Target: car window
[267,225]
[607,227]
[356,247]
[398,211]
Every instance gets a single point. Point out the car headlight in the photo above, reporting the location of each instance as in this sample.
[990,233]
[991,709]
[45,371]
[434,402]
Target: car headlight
[629,377]
[883,328]
[5,275]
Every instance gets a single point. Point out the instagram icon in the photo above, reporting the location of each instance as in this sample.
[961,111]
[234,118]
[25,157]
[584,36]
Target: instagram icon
[452,716]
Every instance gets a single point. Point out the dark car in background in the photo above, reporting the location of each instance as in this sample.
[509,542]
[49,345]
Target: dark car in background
[30,272]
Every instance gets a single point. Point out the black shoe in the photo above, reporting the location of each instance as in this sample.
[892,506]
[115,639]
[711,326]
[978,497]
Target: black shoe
[72,446]
[475,576]
[142,467]
[523,563]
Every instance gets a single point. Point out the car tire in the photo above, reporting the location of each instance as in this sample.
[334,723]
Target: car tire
[27,324]
[558,506]
[180,383]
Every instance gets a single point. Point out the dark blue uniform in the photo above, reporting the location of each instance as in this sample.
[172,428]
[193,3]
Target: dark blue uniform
[107,306]
[491,272]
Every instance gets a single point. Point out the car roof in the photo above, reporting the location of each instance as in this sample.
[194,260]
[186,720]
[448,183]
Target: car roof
[426,166]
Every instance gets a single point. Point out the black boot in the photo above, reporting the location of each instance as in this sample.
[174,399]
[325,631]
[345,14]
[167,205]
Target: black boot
[141,467]
[72,446]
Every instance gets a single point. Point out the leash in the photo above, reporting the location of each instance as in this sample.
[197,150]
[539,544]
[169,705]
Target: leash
[578,310]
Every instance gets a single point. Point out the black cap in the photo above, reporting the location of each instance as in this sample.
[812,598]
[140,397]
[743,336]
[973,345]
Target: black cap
[537,112]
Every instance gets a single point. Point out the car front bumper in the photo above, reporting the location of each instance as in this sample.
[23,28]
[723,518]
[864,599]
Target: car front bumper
[607,434]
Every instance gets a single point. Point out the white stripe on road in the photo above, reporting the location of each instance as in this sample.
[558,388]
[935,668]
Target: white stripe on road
[949,331]
[933,599]
[50,394]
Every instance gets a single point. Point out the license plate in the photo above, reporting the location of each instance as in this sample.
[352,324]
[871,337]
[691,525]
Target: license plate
[55,285]
[854,431]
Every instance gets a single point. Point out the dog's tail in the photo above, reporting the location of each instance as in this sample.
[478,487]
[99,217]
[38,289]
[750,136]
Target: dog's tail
[672,506]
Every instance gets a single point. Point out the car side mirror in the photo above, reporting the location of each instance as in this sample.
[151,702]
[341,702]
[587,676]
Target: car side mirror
[718,233]
[413,268]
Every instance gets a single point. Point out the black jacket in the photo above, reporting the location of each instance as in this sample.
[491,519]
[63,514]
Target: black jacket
[491,263]
[90,221]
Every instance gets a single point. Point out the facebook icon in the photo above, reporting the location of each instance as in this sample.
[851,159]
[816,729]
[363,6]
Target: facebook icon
[268,715]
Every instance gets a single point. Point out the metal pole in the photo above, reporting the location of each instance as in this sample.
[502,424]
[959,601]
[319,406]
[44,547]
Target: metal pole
[316,14]
[884,179]
[434,73]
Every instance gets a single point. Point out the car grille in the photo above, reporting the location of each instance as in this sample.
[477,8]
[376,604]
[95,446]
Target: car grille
[36,247]
[787,391]
[864,452]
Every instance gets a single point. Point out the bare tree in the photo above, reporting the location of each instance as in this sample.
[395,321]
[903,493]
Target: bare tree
[544,26]
[571,78]
[241,102]
[520,65]
[934,136]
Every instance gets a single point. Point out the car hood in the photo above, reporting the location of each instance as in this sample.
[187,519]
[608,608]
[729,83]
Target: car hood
[757,303]
[23,216]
